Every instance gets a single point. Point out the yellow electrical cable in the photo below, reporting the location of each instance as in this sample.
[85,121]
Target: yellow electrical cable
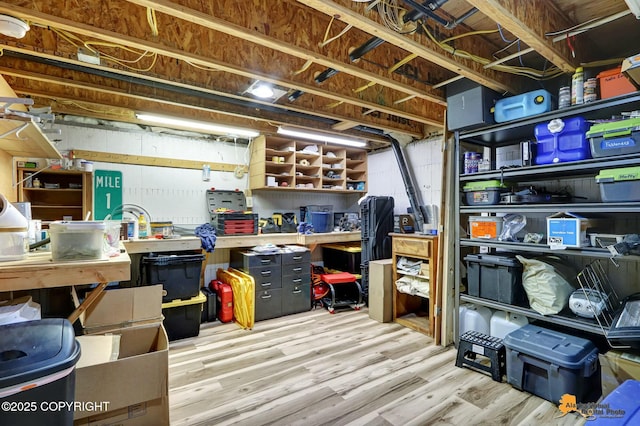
[406,98]
[365,87]
[334,38]
[201,67]
[523,71]
[327,40]
[104,111]
[467,34]
[304,67]
[402,62]
[151,19]
[335,104]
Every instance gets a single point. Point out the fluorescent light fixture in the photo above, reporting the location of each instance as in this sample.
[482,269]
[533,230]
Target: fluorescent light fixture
[198,125]
[320,137]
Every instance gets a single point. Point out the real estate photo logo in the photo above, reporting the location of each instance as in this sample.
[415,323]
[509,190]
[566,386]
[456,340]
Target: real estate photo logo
[590,410]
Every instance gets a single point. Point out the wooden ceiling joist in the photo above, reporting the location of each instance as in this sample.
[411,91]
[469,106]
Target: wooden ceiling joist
[163,49]
[424,48]
[529,21]
[253,36]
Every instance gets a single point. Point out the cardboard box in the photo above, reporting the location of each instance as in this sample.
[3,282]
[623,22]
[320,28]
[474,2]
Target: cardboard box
[631,68]
[566,229]
[381,290]
[140,372]
[122,308]
[616,367]
[143,414]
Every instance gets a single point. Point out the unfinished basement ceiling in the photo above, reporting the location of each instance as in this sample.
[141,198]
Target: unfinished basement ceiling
[196,59]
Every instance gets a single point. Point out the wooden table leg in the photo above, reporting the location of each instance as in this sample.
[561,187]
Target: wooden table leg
[88,301]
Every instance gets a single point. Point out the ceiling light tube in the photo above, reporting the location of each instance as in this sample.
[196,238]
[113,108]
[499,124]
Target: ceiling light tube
[320,137]
[197,125]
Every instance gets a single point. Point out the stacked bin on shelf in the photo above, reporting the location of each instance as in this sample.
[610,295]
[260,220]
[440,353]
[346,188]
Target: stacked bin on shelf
[182,301]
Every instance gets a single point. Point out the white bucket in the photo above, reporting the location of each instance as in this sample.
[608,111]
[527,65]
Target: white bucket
[14,232]
[474,318]
[503,323]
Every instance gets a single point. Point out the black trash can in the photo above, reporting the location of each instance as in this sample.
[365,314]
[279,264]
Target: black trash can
[37,372]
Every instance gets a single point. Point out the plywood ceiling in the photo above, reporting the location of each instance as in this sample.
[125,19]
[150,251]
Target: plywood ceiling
[196,58]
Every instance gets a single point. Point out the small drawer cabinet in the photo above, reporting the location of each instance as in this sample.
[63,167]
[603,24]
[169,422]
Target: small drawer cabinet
[283,280]
[296,282]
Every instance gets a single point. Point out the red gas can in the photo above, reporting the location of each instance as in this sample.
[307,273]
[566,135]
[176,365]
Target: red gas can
[225,300]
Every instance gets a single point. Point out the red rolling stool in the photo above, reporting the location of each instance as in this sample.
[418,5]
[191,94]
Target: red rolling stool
[351,296]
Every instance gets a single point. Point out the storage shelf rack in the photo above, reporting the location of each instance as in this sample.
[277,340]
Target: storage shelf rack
[513,132]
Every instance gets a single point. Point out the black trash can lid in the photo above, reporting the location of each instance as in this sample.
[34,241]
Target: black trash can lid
[34,350]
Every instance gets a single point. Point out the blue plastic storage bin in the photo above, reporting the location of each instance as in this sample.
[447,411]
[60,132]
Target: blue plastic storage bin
[520,106]
[562,140]
[620,407]
[551,364]
[320,221]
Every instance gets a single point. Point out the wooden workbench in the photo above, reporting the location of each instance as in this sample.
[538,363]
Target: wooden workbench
[38,271]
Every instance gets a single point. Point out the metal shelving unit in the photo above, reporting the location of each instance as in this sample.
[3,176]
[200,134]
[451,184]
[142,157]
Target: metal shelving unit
[512,133]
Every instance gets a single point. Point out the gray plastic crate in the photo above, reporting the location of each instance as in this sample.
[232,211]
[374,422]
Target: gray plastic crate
[550,364]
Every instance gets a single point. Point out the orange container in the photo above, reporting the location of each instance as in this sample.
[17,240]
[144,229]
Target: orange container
[614,83]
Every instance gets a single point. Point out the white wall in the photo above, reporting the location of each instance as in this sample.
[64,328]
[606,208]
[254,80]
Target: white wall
[424,158]
[179,195]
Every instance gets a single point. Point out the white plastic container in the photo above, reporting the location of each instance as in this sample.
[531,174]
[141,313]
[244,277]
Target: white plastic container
[474,318]
[14,232]
[81,240]
[503,323]
[19,310]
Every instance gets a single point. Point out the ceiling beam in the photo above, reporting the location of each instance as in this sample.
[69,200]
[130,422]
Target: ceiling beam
[529,21]
[253,36]
[175,53]
[425,48]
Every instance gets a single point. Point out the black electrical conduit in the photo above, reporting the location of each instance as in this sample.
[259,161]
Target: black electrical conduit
[409,184]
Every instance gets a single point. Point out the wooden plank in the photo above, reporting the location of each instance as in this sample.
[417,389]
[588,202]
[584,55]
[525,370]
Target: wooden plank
[529,21]
[156,245]
[39,271]
[30,142]
[87,302]
[141,160]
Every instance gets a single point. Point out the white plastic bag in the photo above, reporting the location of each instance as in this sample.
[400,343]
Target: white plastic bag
[548,291]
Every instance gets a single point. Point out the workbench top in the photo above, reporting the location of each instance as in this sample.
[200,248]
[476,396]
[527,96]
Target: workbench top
[39,271]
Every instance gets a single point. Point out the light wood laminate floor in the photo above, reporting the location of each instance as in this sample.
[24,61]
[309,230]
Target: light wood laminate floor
[344,369]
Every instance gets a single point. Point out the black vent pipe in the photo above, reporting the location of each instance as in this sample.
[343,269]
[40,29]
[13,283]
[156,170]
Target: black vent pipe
[409,184]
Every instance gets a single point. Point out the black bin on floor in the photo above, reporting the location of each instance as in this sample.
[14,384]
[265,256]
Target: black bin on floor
[37,372]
